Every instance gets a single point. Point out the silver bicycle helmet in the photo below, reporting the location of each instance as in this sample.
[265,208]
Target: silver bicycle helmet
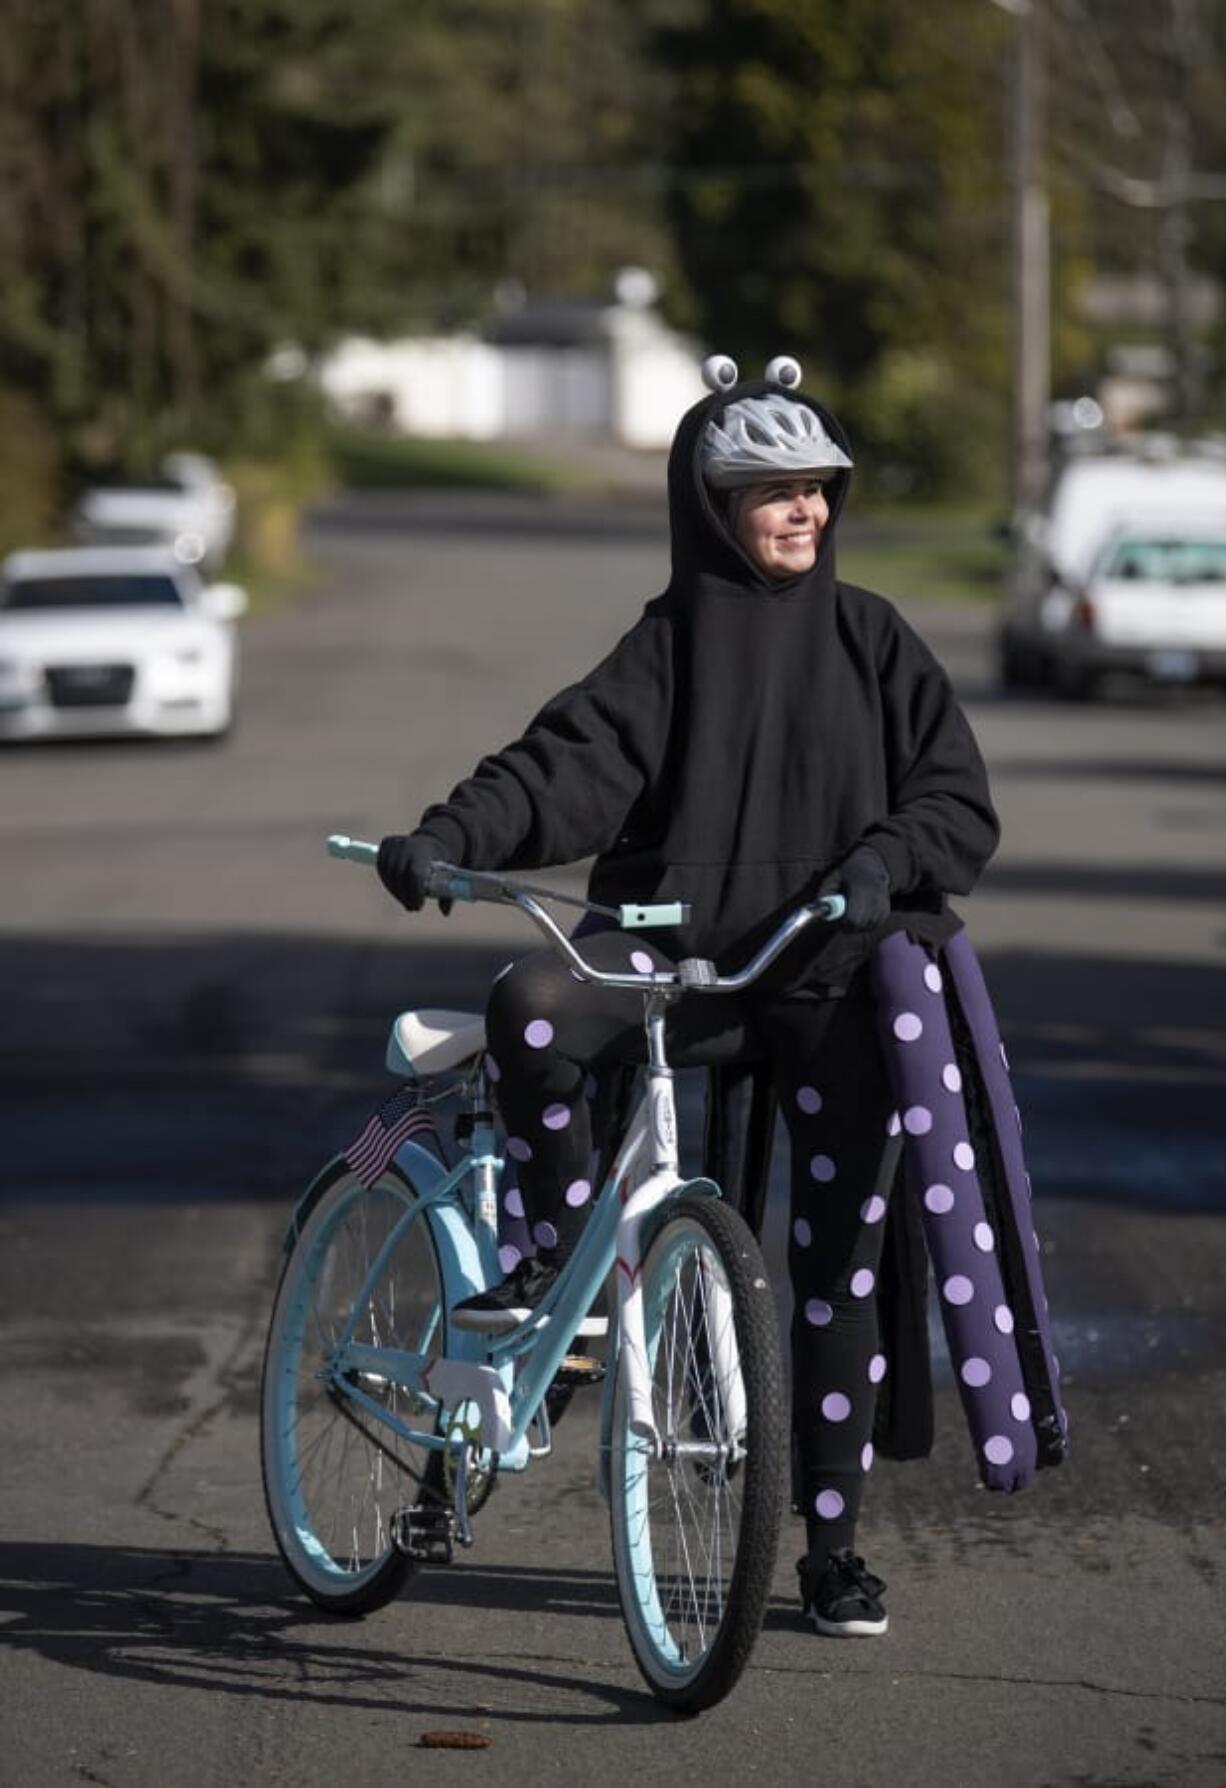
[762,437]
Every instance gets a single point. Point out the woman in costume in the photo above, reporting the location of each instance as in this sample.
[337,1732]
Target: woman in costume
[763,733]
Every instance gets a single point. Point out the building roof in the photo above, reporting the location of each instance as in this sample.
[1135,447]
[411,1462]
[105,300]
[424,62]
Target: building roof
[552,323]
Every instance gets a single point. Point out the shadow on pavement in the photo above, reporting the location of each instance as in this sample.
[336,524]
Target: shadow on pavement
[230,1623]
[201,1067]
[1119,881]
[1119,1066]
[232,1066]
[1131,770]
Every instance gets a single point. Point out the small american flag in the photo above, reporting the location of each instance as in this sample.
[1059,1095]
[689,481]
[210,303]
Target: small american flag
[396,1120]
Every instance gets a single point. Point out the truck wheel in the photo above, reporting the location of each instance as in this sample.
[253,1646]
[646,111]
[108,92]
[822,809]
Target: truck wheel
[1021,665]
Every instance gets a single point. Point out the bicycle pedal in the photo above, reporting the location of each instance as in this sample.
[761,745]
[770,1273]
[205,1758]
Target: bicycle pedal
[425,1534]
[580,1368]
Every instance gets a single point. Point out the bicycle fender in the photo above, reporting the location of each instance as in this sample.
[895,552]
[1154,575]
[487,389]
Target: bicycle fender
[697,1188]
[309,1199]
[421,1165]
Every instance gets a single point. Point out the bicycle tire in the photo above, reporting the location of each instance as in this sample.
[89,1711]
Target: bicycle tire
[332,1484]
[694,1543]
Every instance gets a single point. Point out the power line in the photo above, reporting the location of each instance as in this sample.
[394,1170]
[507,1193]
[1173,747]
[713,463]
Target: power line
[1161,194]
[1124,120]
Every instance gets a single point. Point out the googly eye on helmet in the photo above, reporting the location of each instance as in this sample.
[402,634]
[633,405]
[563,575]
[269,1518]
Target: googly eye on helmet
[757,438]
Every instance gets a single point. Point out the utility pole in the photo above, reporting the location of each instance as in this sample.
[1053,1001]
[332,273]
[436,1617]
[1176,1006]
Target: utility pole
[1031,279]
[1176,227]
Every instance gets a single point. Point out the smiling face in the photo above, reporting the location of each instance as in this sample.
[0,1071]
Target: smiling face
[780,525]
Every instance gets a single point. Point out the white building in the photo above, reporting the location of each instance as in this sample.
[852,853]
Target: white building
[608,371]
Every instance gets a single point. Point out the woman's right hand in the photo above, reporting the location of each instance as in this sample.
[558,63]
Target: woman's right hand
[404,864]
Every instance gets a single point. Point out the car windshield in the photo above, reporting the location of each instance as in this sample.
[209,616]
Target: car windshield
[133,590]
[1167,561]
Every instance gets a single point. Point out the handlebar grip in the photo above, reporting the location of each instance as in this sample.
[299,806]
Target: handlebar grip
[352,850]
[833,906]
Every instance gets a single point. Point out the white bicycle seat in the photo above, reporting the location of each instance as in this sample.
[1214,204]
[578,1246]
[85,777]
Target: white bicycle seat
[431,1041]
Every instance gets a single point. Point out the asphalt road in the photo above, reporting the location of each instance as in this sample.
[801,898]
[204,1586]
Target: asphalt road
[194,1005]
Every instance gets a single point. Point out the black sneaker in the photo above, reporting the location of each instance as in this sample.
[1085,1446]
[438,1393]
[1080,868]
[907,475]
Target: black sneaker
[841,1597]
[505,1306]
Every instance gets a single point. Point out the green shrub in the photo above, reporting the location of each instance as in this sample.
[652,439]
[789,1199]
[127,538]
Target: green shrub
[923,430]
[31,473]
[367,459]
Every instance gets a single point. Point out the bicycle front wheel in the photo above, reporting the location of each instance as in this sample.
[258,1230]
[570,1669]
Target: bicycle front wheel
[696,1518]
[334,1475]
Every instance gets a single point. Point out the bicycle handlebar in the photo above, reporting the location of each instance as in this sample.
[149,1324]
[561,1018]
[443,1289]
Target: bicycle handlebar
[473,884]
[693,974]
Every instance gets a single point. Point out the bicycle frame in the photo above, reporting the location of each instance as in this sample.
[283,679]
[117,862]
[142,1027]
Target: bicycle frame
[479,1370]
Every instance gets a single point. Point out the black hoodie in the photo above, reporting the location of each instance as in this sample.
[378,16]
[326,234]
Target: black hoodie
[737,743]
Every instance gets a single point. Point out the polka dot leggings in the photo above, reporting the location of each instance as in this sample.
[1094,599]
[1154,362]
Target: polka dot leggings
[546,1033]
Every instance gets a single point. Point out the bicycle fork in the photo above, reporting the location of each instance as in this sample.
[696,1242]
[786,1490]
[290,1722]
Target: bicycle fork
[665,1174]
[716,1303]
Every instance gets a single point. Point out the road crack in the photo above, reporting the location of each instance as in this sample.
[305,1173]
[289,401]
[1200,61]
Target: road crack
[225,1375]
[1166,1696]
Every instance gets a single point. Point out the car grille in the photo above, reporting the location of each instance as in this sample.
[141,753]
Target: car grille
[90,685]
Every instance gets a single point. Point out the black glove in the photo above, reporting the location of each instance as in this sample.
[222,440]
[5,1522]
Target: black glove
[404,865]
[864,882]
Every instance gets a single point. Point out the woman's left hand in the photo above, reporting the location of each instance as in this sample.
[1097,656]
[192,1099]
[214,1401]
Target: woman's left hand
[864,882]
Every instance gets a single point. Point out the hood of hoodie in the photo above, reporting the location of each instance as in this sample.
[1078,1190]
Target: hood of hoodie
[705,554]
[773,765]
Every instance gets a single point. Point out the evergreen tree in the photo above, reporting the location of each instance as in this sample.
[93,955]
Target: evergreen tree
[182,177]
[839,193]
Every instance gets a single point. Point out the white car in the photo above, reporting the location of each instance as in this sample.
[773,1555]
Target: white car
[1153,604]
[1124,571]
[107,640]
[189,507]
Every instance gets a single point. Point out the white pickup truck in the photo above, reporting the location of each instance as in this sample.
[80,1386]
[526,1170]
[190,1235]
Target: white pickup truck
[1123,571]
[189,508]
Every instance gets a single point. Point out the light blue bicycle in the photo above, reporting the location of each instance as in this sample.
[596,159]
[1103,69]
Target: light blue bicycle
[384,1422]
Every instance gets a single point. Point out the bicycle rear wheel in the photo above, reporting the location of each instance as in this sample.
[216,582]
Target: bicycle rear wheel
[334,1475]
[696,1526]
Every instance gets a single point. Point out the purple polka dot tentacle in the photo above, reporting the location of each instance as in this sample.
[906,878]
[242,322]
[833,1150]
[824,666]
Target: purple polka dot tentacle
[941,1161]
[1026,1297]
